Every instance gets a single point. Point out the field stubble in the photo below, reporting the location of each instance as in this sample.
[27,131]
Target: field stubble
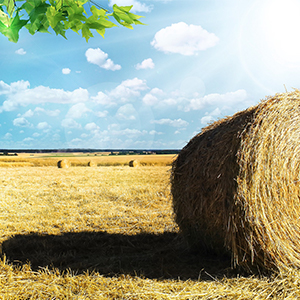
[108,233]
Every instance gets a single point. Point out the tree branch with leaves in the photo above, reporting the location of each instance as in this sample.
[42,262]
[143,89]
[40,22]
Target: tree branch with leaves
[62,15]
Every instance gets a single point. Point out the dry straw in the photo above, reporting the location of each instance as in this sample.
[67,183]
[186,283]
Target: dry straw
[236,185]
[92,163]
[63,164]
[133,163]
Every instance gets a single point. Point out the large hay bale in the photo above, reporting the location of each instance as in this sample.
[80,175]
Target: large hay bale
[63,164]
[236,185]
[133,163]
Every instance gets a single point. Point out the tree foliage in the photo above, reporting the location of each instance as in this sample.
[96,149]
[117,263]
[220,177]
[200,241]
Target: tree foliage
[61,15]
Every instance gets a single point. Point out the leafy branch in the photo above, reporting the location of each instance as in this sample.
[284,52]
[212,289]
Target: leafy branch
[61,15]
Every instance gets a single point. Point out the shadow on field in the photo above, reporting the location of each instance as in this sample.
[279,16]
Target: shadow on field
[160,256]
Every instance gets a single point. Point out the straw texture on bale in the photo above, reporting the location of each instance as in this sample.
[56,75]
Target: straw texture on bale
[92,163]
[63,164]
[236,185]
[133,163]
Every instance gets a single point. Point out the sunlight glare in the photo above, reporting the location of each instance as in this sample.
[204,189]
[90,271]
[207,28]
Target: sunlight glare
[281,19]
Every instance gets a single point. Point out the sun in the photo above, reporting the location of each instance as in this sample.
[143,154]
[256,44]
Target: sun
[280,21]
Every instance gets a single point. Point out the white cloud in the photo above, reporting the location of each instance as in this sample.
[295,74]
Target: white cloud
[150,99]
[77,110]
[22,122]
[183,39]
[19,94]
[103,99]
[7,136]
[93,127]
[51,113]
[20,51]
[70,123]
[126,112]
[154,132]
[137,5]
[28,114]
[101,114]
[206,120]
[129,89]
[100,58]
[145,64]
[14,87]
[28,139]
[66,71]
[36,135]
[43,125]
[228,99]
[174,123]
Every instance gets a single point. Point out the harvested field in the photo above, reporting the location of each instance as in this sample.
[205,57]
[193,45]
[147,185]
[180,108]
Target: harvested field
[109,233]
[46,160]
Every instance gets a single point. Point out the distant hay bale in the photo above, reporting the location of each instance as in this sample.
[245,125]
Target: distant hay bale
[63,164]
[133,163]
[236,185]
[92,163]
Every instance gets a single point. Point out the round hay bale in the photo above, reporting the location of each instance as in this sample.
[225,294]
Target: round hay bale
[92,163]
[133,163]
[236,185]
[63,164]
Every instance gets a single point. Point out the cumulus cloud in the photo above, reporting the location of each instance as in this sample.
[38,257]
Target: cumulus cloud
[129,89]
[100,58]
[70,123]
[22,122]
[174,123]
[77,111]
[154,132]
[14,87]
[20,51]
[91,127]
[145,64]
[28,114]
[7,136]
[43,125]
[102,98]
[228,99]
[137,5]
[206,120]
[152,98]
[50,113]
[101,114]
[66,71]
[183,39]
[20,94]
[126,112]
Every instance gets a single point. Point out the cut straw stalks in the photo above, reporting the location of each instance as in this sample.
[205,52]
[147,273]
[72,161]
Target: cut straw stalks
[236,185]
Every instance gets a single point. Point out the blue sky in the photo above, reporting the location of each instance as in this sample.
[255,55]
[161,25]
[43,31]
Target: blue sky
[153,87]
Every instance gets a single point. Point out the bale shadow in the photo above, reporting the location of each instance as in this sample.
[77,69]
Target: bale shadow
[160,256]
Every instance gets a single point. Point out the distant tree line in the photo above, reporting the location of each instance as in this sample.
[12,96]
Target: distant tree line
[109,151]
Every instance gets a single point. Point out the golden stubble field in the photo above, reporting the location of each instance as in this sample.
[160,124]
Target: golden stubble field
[108,233]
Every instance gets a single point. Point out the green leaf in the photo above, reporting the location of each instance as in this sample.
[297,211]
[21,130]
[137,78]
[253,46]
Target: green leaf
[86,33]
[10,6]
[124,17]
[36,10]
[12,31]
[54,17]
[4,18]
[60,15]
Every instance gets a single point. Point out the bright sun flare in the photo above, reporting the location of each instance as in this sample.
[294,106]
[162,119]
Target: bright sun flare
[281,22]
